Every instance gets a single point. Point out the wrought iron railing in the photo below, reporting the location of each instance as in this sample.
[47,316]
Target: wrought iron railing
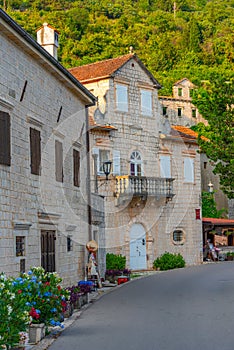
[142,185]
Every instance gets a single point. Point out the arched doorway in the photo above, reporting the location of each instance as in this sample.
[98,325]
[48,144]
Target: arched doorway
[137,247]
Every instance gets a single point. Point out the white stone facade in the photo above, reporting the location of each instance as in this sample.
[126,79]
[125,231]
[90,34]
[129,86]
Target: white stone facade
[38,93]
[156,218]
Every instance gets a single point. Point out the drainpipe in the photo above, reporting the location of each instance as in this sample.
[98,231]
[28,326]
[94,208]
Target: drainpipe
[88,172]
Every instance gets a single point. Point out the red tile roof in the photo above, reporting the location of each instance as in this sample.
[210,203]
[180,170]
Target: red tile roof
[218,221]
[105,69]
[99,70]
[94,126]
[186,132]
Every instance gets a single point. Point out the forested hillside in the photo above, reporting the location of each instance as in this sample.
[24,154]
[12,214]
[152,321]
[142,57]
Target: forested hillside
[192,38]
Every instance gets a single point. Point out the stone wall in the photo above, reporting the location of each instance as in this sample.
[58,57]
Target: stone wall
[51,105]
[136,132]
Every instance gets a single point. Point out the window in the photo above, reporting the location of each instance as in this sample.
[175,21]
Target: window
[122,97]
[179,112]
[22,265]
[76,168]
[194,113]
[205,165]
[104,155]
[135,164]
[180,92]
[69,244]
[35,151]
[188,169]
[164,110]
[58,161]
[191,92]
[146,102]
[5,139]
[178,236]
[165,166]
[20,245]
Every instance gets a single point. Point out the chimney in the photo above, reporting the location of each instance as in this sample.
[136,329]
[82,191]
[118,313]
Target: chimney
[47,37]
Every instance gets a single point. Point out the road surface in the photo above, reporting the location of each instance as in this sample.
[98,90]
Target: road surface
[184,309]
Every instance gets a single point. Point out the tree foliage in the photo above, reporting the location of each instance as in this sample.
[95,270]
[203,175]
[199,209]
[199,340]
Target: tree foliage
[215,101]
[209,208]
[192,38]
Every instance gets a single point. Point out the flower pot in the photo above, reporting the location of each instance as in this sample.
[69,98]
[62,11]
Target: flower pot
[36,332]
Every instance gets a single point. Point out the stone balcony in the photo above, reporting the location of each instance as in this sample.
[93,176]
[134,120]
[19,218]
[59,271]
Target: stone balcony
[142,186]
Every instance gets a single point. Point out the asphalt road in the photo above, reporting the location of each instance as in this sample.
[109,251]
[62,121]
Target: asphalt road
[185,309]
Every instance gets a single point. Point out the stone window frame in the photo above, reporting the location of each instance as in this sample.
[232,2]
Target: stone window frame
[179,112]
[183,236]
[180,91]
[194,113]
[164,110]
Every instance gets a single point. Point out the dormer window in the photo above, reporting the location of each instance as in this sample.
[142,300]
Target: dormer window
[180,92]
[122,97]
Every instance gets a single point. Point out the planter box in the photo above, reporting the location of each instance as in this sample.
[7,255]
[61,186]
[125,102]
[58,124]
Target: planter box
[36,332]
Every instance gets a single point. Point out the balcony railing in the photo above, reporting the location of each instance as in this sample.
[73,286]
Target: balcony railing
[144,186]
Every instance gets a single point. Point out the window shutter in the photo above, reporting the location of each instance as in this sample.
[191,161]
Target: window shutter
[58,161]
[165,166]
[95,151]
[35,151]
[116,162]
[122,97]
[76,168]
[5,139]
[188,170]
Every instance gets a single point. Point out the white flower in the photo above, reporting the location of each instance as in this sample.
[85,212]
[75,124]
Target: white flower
[9,309]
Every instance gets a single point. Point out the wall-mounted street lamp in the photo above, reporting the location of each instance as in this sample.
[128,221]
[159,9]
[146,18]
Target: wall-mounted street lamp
[107,168]
[210,187]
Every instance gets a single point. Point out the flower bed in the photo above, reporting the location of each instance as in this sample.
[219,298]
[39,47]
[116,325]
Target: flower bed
[35,297]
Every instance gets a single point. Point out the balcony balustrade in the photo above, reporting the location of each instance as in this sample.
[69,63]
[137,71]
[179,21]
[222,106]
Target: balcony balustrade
[158,187]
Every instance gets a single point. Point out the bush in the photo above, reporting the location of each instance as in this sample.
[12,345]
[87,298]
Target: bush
[34,297]
[169,261]
[115,262]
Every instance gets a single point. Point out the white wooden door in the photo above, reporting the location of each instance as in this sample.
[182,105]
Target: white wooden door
[137,247]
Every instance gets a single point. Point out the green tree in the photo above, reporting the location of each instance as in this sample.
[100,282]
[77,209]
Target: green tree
[209,209]
[215,101]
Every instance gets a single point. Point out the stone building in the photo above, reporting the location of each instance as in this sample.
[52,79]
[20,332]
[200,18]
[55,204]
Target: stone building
[152,192]
[179,110]
[45,199]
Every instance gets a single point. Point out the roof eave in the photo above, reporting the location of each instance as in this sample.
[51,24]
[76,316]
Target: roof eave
[88,97]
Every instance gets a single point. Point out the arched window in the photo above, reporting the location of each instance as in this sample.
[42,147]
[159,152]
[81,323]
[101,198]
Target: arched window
[136,164]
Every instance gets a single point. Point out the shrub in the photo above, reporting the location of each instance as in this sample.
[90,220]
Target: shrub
[14,313]
[169,261]
[115,262]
